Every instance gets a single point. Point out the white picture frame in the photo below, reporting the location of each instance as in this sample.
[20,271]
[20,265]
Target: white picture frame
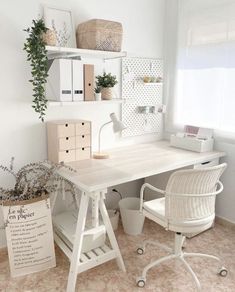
[61,21]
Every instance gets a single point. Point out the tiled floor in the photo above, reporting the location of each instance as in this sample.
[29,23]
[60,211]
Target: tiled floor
[169,277]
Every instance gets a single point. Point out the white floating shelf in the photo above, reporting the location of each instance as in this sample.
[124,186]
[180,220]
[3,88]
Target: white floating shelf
[62,52]
[80,103]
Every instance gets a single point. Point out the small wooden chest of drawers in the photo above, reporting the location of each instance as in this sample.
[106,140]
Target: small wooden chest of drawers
[68,140]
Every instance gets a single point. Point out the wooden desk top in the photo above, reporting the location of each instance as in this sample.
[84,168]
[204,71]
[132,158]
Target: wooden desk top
[132,162]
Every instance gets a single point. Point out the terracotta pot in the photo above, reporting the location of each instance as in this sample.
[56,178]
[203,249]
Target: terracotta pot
[107,93]
[49,37]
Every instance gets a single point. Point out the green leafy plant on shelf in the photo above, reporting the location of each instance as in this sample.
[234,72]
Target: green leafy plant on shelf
[106,80]
[37,56]
[97,89]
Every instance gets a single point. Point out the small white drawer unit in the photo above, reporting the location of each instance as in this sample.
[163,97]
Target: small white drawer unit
[68,140]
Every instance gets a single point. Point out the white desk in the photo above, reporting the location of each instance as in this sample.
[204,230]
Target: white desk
[93,177]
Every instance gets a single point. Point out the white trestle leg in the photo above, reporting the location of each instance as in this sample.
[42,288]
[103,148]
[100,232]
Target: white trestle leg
[110,232]
[77,246]
[81,262]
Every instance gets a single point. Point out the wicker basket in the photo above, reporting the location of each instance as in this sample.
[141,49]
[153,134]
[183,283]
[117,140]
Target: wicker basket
[99,34]
[107,93]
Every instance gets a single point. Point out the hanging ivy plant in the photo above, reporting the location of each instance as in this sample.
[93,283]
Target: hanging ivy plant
[37,56]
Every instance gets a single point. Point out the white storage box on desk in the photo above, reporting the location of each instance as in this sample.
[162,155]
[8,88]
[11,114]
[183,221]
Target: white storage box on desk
[192,144]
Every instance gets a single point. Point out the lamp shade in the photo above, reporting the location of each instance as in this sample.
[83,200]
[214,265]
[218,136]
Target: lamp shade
[118,126]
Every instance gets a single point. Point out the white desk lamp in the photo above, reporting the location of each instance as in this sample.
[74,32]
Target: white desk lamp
[118,126]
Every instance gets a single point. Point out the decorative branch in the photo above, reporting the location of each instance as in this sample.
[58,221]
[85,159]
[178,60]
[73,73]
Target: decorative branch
[62,35]
[34,180]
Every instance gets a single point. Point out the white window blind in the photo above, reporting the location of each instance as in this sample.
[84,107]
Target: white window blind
[204,94]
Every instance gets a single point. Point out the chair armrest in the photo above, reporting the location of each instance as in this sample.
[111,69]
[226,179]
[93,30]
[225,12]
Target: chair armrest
[219,183]
[147,185]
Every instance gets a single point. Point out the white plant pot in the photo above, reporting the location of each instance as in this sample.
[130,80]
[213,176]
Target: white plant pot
[98,96]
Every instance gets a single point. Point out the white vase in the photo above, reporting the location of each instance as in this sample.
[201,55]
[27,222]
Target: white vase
[98,96]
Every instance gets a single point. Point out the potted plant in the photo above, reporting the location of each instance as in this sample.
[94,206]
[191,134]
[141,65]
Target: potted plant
[37,56]
[27,215]
[106,82]
[97,92]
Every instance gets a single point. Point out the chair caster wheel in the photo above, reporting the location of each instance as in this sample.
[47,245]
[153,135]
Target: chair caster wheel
[140,282]
[140,250]
[223,272]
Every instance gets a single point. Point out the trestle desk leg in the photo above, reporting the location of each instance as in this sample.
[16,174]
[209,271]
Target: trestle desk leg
[77,246]
[110,233]
[95,210]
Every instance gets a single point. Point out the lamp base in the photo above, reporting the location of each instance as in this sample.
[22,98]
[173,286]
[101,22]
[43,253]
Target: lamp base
[100,155]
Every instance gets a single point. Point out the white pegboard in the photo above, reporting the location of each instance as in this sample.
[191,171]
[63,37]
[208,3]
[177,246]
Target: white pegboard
[136,93]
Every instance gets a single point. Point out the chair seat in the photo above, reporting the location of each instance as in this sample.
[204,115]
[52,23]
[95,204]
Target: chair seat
[156,207]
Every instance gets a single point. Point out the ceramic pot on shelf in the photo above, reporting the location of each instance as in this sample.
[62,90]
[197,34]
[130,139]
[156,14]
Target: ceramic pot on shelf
[98,96]
[49,37]
[107,93]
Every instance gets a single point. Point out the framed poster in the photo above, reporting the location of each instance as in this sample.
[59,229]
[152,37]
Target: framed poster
[61,22]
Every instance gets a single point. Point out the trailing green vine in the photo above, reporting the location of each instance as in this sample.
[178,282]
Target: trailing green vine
[37,56]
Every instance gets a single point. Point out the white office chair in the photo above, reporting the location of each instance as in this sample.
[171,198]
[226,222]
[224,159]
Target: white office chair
[188,207]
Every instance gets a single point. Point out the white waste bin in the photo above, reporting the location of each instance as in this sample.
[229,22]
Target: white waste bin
[132,220]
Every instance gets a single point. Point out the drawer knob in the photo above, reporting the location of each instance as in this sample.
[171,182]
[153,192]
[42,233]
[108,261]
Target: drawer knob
[67,151]
[67,138]
[83,124]
[66,125]
[83,136]
[83,148]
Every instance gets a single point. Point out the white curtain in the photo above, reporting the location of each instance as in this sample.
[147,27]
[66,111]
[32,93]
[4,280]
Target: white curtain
[202,91]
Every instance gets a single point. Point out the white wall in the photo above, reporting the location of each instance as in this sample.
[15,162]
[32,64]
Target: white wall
[22,134]
[225,203]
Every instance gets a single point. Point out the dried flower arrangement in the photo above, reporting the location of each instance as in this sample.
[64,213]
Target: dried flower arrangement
[34,180]
[62,35]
